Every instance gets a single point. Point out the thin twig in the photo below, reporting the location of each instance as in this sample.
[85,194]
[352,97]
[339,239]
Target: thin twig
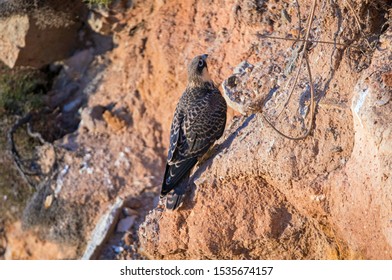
[299,19]
[357,21]
[18,163]
[302,40]
[304,48]
[312,109]
[17,158]
[304,51]
[35,135]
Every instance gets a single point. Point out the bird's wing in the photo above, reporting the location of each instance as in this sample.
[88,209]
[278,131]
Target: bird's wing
[205,124]
[179,162]
[175,131]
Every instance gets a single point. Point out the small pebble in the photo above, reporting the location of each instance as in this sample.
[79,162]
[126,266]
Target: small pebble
[117,249]
[130,212]
[48,201]
[125,224]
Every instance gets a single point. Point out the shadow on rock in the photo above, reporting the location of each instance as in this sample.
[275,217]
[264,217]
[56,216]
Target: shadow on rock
[58,220]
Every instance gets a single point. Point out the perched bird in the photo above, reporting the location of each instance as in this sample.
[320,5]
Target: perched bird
[199,120]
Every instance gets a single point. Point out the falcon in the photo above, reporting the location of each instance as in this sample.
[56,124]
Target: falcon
[199,120]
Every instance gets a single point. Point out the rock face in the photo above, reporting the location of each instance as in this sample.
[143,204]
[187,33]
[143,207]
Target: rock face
[263,196]
[259,195]
[13,31]
[28,30]
[362,189]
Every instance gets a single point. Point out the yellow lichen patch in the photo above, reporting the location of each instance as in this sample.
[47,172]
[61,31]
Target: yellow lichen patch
[48,201]
[114,122]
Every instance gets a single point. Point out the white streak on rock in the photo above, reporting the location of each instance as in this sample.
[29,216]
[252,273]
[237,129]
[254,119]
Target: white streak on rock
[103,228]
[359,101]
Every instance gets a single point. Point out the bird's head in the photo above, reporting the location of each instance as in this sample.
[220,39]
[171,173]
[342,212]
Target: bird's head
[198,72]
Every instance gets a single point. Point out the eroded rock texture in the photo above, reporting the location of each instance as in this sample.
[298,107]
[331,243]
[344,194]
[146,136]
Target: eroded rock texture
[259,195]
[328,196]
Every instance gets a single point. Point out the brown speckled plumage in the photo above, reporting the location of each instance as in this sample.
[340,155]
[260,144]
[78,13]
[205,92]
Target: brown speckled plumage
[199,120]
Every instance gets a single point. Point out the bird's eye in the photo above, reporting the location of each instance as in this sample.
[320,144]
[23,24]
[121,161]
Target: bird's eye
[201,63]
